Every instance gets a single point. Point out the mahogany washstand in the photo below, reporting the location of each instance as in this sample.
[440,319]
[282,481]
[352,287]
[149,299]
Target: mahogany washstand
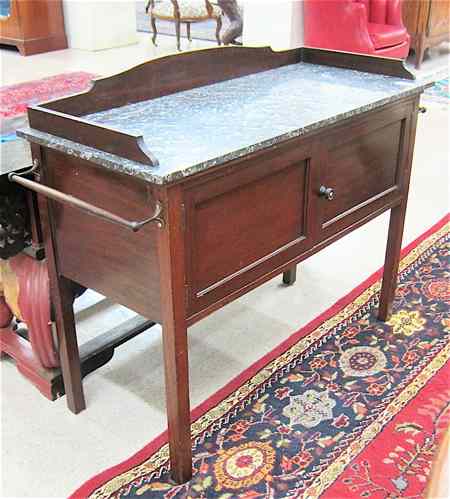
[181,184]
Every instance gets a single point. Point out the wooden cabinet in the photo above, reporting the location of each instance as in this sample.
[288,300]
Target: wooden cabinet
[242,222]
[427,21]
[272,209]
[34,26]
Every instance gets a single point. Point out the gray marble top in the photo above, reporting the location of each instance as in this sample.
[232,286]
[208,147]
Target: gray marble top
[207,126]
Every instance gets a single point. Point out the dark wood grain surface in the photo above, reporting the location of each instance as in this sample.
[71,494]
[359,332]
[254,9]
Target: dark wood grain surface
[166,75]
[115,253]
[91,135]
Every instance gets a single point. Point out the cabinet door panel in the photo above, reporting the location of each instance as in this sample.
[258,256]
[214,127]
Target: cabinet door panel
[259,218]
[363,164]
[361,168]
[246,224]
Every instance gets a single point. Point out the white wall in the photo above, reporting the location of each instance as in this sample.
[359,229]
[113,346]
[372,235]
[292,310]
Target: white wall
[100,24]
[278,23]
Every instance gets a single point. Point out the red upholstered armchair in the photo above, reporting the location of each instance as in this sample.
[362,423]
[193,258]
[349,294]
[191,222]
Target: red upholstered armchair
[369,26]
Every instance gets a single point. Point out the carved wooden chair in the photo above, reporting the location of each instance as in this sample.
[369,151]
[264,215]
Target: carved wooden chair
[183,11]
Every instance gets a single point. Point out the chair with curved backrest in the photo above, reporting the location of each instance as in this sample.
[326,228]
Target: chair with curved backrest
[372,27]
[183,11]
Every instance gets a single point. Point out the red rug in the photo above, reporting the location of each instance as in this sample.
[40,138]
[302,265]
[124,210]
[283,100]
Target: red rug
[347,407]
[14,99]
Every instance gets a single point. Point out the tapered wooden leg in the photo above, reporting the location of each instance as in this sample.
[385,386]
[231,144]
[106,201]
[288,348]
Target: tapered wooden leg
[290,276]
[218,30]
[177,396]
[392,261]
[178,33]
[68,347]
[396,224]
[188,31]
[62,299]
[155,31]
[420,51]
[173,308]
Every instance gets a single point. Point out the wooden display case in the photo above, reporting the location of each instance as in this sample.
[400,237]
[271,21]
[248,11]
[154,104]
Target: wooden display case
[427,21]
[34,26]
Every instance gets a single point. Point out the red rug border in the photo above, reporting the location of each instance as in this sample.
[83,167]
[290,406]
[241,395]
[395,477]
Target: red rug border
[100,479]
[12,86]
[5,89]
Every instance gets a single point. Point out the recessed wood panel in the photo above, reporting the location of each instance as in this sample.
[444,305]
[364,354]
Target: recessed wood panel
[258,218]
[360,169]
[240,221]
[97,254]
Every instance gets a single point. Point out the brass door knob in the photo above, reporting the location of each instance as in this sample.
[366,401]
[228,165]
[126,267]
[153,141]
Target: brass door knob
[326,192]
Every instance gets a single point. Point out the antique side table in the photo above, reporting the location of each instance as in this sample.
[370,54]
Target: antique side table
[183,183]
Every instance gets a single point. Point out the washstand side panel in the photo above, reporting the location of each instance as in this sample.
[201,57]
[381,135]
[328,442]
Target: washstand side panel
[106,257]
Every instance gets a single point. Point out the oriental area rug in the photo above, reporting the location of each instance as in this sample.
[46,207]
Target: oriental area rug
[347,407]
[14,99]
